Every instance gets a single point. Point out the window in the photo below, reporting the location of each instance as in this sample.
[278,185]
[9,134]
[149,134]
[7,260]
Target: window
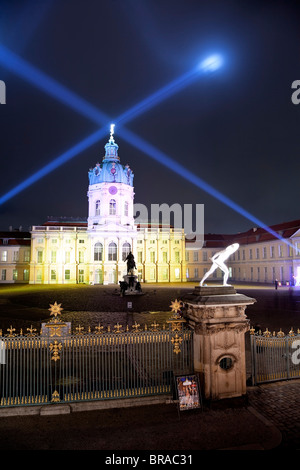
[53,275]
[39,275]
[165,257]
[81,241]
[16,256]
[264,252]
[81,256]
[26,275]
[176,242]
[40,240]
[112,252]
[250,253]
[54,241]
[152,274]
[81,275]
[140,241]
[165,274]
[4,256]
[280,252]
[26,256]
[5,241]
[272,252]
[243,253]
[140,256]
[67,257]
[126,209]
[258,274]
[53,256]
[257,253]
[39,256]
[126,248]
[112,207]
[177,257]
[204,255]
[67,274]
[152,242]
[290,250]
[15,274]
[3,275]
[196,272]
[195,255]
[266,273]
[152,256]
[97,208]
[187,256]
[98,250]
[177,273]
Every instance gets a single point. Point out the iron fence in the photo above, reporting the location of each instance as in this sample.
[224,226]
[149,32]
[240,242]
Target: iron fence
[56,366]
[274,356]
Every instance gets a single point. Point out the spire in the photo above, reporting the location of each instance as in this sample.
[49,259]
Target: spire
[111,148]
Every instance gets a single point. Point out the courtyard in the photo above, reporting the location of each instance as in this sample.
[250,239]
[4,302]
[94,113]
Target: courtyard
[24,305]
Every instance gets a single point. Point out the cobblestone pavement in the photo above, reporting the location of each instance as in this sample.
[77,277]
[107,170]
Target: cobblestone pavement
[279,402]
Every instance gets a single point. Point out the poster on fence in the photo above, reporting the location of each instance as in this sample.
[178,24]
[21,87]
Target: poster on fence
[188,392]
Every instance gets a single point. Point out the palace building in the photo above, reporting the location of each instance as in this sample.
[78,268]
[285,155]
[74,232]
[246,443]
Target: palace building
[94,250]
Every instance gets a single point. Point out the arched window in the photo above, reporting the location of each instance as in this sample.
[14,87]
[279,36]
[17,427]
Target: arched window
[112,207]
[97,208]
[126,209]
[126,248]
[98,250]
[112,252]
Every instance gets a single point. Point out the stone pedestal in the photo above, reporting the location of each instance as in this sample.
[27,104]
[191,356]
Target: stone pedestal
[217,315]
[131,282]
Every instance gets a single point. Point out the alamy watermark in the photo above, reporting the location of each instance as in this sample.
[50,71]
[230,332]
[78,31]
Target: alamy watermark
[2,92]
[186,217]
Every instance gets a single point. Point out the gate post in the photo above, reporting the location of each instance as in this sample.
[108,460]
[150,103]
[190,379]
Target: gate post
[217,316]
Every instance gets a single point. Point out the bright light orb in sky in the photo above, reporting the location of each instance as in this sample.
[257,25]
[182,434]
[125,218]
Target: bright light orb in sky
[211,63]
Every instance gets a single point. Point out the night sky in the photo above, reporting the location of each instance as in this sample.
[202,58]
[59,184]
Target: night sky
[237,129]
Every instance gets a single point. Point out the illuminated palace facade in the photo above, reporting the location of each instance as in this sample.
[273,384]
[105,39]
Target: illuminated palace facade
[94,250]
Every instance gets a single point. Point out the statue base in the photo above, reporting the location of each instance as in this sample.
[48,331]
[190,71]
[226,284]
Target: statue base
[130,285]
[217,316]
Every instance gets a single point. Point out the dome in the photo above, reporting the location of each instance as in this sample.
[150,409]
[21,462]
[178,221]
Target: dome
[111,170]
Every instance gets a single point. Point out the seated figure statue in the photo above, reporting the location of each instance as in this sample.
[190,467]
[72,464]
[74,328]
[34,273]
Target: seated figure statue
[218,262]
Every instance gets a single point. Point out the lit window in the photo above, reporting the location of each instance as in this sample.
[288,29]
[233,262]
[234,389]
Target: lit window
[177,257]
[53,256]
[16,256]
[112,207]
[4,256]
[67,274]
[165,274]
[97,208]
[67,257]
[39,256]
[112,252]
[126,209]
[27,256]
[81,256]
[26,275]
[15,274]
[152,256]
[126,248]
[3,275]
[98,250]
[53,275]
[165,257]
[140,256]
